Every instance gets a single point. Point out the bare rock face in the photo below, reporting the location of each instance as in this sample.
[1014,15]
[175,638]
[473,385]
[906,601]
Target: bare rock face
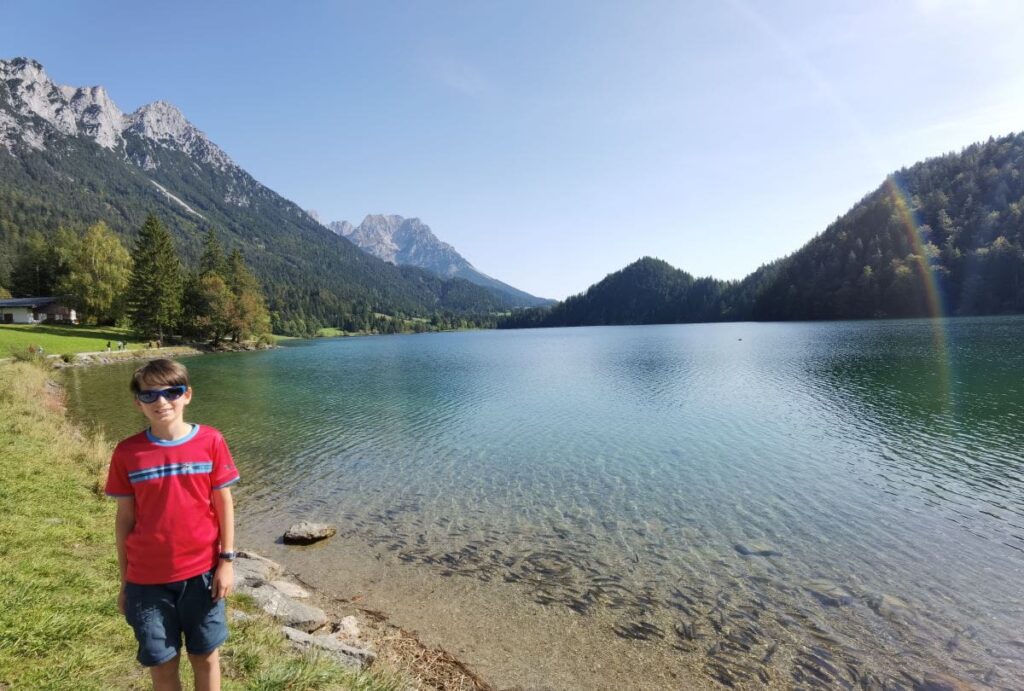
[350,656]
[306,533]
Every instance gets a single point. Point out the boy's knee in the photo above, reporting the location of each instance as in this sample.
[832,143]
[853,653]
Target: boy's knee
[208,659]
[165,670]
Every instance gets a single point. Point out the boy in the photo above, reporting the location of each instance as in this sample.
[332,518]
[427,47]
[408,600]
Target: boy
[174,530]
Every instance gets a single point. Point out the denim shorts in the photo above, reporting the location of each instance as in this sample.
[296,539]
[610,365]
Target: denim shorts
[162,614]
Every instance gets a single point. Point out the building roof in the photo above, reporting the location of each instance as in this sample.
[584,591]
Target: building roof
[28,302]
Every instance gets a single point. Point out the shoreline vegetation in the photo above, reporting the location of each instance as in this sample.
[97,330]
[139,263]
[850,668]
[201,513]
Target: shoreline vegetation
[58,577]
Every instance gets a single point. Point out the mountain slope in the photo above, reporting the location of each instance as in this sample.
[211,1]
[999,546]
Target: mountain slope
[945,236]
[410,242]
[70,157]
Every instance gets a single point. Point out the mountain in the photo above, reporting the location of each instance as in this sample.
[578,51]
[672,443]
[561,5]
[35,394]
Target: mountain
[69,156]
[945,236]
[410,242]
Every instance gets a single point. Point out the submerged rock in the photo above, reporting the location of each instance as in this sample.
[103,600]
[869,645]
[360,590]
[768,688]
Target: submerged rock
[757,549]
[941,682]
[891,607]
[350,656]
[831,594]
[306,533]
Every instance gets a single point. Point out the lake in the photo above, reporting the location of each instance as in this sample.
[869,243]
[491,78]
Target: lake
[788,504]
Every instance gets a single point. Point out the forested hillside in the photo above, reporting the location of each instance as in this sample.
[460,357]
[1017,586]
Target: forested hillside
[949,229]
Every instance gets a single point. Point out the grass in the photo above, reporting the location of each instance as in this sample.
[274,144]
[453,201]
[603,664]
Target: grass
[58,570]
[59,339]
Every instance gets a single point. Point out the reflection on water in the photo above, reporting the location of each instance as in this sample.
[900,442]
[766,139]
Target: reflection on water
[808,505]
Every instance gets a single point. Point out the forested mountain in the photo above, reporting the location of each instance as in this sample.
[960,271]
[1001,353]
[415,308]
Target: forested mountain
[946,234]
[410,242]
[70,157]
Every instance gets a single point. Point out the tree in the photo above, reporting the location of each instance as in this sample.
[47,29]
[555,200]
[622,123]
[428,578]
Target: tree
[37,267]
[98,272]
[212,261]
[250,314]
[155,290]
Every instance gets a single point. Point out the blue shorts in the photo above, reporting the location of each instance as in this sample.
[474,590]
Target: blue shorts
[161,614]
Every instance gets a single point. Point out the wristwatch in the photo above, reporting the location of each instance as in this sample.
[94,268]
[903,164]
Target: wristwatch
[228,556]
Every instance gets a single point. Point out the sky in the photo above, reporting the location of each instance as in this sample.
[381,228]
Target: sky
[553,142]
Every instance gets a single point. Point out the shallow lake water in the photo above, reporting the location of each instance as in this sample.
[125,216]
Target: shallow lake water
[803,505]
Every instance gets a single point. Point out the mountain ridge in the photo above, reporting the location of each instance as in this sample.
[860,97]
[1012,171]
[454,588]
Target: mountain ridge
[69,156]
[411,242]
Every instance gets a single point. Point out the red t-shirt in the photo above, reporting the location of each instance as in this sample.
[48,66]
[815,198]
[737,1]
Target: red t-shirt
[176,534]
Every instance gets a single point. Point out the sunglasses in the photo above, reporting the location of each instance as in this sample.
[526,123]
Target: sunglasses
[171,393]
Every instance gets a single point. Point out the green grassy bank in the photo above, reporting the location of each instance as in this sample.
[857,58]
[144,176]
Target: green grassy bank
[59,339]
[58,572]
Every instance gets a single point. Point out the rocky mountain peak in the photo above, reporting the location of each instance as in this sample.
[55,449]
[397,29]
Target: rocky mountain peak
[164,124]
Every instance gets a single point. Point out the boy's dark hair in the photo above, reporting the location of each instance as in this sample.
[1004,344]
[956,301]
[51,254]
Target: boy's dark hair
[161,372]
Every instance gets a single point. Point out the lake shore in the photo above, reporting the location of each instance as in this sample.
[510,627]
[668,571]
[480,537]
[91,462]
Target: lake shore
[59,565]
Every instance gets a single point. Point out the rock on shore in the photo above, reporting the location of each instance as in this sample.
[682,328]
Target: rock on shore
[304,625]
[306,533]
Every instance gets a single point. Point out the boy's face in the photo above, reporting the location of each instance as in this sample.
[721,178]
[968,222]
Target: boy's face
[163,412]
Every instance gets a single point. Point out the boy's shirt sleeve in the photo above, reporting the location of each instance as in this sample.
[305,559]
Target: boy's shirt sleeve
[224,471]
[117,478]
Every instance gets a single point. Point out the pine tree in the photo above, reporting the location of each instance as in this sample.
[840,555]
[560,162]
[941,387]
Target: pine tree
[155,292]
[212,261]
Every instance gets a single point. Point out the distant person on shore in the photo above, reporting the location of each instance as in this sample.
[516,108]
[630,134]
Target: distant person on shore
[108,346]
[174,530]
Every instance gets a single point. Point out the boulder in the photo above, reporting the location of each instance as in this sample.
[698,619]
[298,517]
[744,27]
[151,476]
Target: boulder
[251,569]
[289,612]
[306,533]
[350,656]
[291,589]
[347,630]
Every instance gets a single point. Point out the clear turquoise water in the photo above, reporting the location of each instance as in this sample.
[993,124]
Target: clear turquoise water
[619,473]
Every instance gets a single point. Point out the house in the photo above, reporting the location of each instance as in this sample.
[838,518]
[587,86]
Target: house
[35,310]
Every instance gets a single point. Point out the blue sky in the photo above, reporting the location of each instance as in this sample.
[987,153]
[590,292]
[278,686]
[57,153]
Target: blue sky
[554,142]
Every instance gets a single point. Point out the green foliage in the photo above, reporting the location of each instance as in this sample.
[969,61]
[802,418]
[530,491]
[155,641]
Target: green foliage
[97,276]
[155,292]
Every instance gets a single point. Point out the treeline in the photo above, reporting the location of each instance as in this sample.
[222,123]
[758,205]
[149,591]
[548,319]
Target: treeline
[950,229]
[312,277]
[146,287]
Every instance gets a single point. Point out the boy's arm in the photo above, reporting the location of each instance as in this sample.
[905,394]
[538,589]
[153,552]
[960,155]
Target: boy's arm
[124,522]
[224,507]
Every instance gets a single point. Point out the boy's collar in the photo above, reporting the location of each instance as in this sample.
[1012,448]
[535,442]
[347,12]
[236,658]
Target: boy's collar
[171,442]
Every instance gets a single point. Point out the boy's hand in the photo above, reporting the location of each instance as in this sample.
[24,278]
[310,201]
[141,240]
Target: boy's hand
[223,580]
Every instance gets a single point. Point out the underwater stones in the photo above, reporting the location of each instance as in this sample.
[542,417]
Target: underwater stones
[891,607]
[830,594]
[756,549]
[306,533]
[941,682]
[347,655]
